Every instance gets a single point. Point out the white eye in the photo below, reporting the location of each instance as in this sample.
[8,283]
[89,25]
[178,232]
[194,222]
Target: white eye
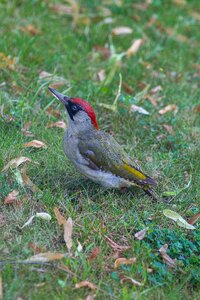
[74,108]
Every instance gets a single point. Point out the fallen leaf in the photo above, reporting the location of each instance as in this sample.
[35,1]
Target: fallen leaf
[195,218]
[89,297]
[168,108]
[195,15]
[149,270]
[60,219]
[141,234]
[180,2]
[123,30]
[168,128]
[30,220]
[6,62]
[86,284]
[35,248]
[127,88]
[59,124]
[104,51]
[115,246]
[46,77]
[11,197]
[53,112]
[167,259]
[27,181]
[61,9]
[68,226]
[141,6]
[156,89]
[124,261]
[1,287]
[56,85]
[16,162]
[131,280]
[80,247]
[178,37]
[141,110]
[101,75]
[152,99]
[25,129]
[177,218]
[30,29]
[94,253]
[43,215]
[35,144]
[45,257]
[196,109]
[134,47]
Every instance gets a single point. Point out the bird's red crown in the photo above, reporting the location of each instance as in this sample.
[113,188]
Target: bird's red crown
[88,109]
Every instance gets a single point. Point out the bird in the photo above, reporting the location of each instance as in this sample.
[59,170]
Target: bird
[96,154]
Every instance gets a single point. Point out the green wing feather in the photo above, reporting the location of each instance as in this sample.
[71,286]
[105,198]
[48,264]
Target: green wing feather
[104,152]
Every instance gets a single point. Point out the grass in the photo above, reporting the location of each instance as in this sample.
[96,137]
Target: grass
[67,49]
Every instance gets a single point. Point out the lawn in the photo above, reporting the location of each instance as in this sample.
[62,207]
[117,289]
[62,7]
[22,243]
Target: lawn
[85,53]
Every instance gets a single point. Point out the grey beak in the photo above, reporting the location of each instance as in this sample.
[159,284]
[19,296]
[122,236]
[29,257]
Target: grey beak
[59,96]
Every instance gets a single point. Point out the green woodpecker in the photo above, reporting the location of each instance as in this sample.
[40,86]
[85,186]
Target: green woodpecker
[95,153]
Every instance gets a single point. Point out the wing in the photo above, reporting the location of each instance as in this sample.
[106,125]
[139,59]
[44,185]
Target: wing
[103,152]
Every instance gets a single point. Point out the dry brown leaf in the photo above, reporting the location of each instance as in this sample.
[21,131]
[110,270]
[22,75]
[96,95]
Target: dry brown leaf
[59,124]
[35,248]
[156,89]
[45,257]
[124,261]
[196,109]
[60,219]
[141,6]
[16,162]
[141,234]
[53,112]
[180,2]
[89,297]
[195,15]
[131,280]
[1,287]
[86,284]
[101,75]
[167,259]
[27,181]
[168,108]
[11,197]
[25,129]
[168,128]
[61,9]
[46,77]
[134,47]
[115,246]
[55,85]
[127,88]
[30,29]
[153,100]
[94,253]
[178,37]
[35,144]
[194,218]
[6,62]
[122,30]
[105,52]
[68,226]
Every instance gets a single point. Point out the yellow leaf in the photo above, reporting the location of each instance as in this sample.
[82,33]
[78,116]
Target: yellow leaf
[45,257]
[35,144]
[124,261]
[134,47]
[168,108]
[6,62]
[86,284]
